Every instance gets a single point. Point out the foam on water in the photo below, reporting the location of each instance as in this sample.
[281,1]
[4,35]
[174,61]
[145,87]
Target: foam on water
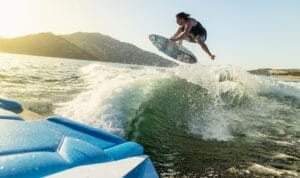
[113,94]
[231,88]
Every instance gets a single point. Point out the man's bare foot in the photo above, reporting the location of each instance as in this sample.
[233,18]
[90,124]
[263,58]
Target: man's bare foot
[212,57]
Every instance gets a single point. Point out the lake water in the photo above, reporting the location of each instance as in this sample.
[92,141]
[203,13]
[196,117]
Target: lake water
[192,120]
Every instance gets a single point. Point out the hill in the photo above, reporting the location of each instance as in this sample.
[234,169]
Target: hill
[106,48]
[87,46]
[288,73]
[44,44]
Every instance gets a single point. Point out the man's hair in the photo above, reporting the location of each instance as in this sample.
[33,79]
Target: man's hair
[183,15]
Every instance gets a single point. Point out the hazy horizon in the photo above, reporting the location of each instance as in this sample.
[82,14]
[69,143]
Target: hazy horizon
[250,35]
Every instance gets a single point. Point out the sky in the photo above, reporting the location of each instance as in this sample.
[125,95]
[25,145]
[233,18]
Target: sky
[248,34]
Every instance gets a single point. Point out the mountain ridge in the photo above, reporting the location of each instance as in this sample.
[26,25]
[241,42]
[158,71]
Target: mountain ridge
[81,45]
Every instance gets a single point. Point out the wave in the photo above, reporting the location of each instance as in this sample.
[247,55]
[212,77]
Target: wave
[213,102]
[112,95]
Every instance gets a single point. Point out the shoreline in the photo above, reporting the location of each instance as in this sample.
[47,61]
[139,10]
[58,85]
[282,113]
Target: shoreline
[279,76]
[286,76]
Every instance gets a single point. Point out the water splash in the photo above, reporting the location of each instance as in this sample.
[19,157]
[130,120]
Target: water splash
[112,95]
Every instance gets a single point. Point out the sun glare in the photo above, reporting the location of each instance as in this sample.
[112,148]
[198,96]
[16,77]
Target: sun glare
[15,18]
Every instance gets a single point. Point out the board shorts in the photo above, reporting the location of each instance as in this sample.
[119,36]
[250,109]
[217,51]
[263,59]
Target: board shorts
[201,32]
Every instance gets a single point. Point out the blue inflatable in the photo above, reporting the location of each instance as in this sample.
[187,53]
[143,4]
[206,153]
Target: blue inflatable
[5,114]
[55,145]
[10,105]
